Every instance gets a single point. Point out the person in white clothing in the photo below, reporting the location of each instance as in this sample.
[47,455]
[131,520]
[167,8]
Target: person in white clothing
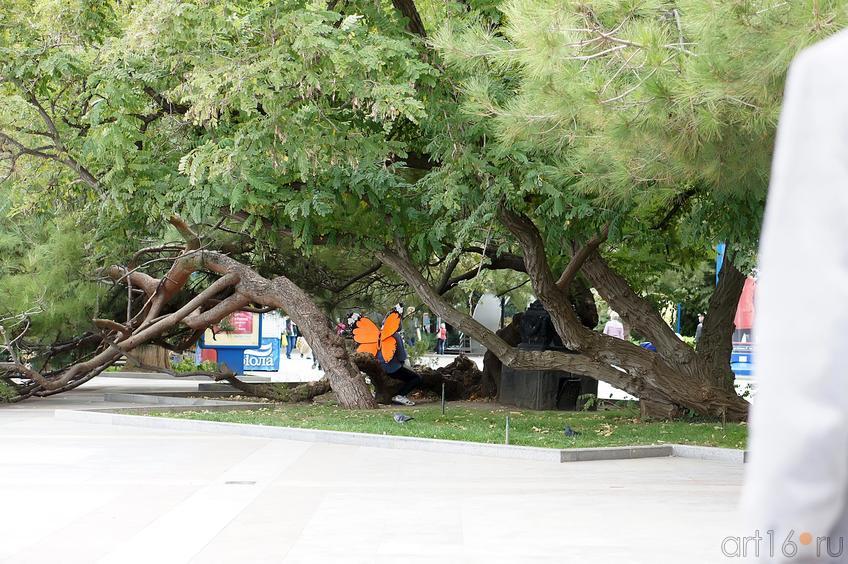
[796,484]
[614,327]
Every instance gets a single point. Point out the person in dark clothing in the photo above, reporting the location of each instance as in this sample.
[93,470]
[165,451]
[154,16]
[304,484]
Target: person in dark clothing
[291,336]
[395,369]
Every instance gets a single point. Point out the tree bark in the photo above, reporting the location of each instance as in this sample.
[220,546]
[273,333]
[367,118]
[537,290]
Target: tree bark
[413,20]
[595,367]
[492,365]
[716,344]
[636,311]
[283,392]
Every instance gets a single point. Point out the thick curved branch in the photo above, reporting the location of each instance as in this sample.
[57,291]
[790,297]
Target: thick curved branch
[317,328]
[635,310]
[110,325]
[103,359]
[656,380]
[554,298]
[181,269]
[198,321]
[138,279]
[191,237]
[578,258]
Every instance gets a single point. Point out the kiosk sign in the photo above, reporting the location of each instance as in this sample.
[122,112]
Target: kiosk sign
[265,358]
[239,330]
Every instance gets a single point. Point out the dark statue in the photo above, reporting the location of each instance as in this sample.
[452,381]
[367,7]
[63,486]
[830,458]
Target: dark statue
[543,389]
[537,329]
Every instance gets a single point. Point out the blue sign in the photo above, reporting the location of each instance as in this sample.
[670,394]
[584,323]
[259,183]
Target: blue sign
[265,358]
[721,249]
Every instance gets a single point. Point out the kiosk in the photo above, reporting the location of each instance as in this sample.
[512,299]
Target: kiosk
[240,331]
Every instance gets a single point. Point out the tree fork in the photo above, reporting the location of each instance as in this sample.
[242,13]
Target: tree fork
[668,382]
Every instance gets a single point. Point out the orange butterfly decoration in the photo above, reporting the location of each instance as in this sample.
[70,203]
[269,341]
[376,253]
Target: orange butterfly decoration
[372,339]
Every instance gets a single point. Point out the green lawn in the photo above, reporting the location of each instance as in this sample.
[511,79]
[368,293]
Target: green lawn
[484,423]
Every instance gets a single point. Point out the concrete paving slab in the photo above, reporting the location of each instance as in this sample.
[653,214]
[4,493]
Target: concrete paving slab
[105,493]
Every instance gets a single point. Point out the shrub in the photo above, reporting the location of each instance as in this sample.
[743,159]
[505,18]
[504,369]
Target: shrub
[7,392]
[422,346]
[188,365]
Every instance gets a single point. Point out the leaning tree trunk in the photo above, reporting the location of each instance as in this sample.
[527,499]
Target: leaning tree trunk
[706,385]
[596,366]
[345,378]
[242,286]
[716,343]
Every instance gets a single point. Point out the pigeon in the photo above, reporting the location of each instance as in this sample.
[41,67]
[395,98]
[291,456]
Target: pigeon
[401,418]
[569,432]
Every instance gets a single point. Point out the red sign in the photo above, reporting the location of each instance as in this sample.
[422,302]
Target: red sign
[242,322]
[240,329]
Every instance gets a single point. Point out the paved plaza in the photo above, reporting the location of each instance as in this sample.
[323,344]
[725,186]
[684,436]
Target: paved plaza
[79,492]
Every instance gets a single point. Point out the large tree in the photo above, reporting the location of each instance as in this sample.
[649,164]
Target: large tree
[611,139]
[265,121]
[604,145]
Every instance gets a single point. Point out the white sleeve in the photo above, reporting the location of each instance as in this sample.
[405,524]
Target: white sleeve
[796,480]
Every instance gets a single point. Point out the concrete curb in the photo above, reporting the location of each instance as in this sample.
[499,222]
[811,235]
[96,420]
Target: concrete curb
[614,453]
[399,442]
[710,453]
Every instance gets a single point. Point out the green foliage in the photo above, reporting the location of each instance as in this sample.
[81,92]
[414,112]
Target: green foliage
[426,344]
[7,392]
[688,340]
[292,110]
[46,273]
[300,122]
[622,112]
[188,365]
[589,401]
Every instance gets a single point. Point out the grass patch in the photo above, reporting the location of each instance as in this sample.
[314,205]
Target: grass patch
[484,423]
[7,392]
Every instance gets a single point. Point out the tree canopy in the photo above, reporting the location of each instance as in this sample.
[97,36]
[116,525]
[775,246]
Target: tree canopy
[615,141]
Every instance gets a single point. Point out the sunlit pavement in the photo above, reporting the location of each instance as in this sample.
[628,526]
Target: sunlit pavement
[75,492]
